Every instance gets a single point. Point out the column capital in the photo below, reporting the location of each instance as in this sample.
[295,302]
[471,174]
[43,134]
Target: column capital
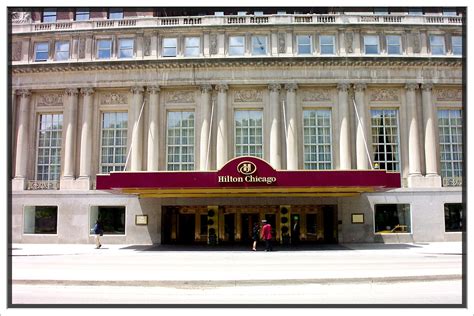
[137,90]
[153,89]
[274,87]
[360,87]
[71,92]
[291,87]
[87,91]
[222,87]
[343,86]
[205,88]
[411,86]
[24,93]
[427,86]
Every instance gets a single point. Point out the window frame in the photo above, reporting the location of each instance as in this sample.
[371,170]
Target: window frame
[32,209]
[231,37]
[321,114]
[299,45]
[59,140]
[453,46]
[333,45]
[93,219]
[188,47]
[81,12]
[121,49]
[248,129]
[448,219]
[165,48]
[37,44]
[444,172]
[56,51]
[399,205]
[443,46]
[99,49]
[115,166]
[51,17]
[254,51]
[385,144]
[190,165]
[373,36]
[388,45]
[115,13]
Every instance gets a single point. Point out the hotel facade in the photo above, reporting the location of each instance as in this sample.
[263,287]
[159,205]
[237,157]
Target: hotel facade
[187,126]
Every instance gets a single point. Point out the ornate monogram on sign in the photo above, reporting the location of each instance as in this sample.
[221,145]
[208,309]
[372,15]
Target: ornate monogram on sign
[317,95]
[384,94]
[180,97]
[448,94]
[113,98]
[248,95]
[16,51]
[50,99]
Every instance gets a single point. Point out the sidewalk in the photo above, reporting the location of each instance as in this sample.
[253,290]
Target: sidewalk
[156,265]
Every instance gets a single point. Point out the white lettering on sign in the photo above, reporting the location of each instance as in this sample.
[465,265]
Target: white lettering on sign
[248,179]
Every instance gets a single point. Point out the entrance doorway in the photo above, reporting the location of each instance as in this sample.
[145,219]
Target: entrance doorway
[186,224]
[229,227]
[247,221]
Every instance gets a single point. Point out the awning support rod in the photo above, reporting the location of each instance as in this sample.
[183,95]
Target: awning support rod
[210,134]
[363,133]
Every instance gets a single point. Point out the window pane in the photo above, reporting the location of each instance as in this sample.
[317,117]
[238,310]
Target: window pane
[112,219]
[317,145]
[247,127]
[236,46]
[450,142]
[259,45]
[48,161]
[385,144]
[192,46]
[113,141]
[304,44]
[180,140]
[82,14]
[62,51]
[126,48]
[392,218]
[49,15]
[115,13]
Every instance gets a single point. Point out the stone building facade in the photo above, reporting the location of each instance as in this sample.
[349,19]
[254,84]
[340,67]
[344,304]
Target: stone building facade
[107,91]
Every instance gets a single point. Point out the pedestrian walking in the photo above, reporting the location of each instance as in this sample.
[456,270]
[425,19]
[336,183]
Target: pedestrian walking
[255,233]
[98,231]
[267,235]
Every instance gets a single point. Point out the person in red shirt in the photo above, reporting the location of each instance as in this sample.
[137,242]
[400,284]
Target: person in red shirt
[267,235]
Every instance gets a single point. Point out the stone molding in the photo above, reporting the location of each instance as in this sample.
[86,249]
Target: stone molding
[113,98]
[50,99]
[348,41]
[137,90]
[448,94]
[153,89]
[213,44]
[427,86]
[206,88]
[24,93]
[147,46]
[411,86]
[180,97]
[222,88]
[360,87]
[281,43]
[274,87]
[316,95]
[385,95]
[343,86]
[16,51]
[291,87]
[87,91]
[248,95]
[71,92]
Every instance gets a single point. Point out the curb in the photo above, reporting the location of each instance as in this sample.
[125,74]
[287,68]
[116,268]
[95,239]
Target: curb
[229,283]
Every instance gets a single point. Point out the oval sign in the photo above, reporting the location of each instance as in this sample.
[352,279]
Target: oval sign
[246,168]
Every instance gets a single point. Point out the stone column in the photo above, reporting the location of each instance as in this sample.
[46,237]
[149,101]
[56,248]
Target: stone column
[137,130]
[361,137]
[414,162]
[275,150]
[221,141]
[206,106]
[153,124]
[429,127]
[70,116]
[86,133]
[22,144]
[344,127]
[291,121]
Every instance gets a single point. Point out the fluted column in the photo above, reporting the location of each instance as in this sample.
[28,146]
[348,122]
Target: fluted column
[291,121]
[137,130]
[70,132]
[221,141]
[86,133]
[153,123]
[361,137]
[344,128]
[429,127]
[22,144]
[206,99]
[414,162]
[275,150]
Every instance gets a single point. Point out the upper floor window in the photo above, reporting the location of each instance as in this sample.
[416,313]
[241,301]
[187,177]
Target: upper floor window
[82,14]
[456,43]
[259,45]
[380,10]
[453,217]
[41,51]
[170,47]
[317,142]
[236,45]
[62,50]
[385,139]
[104,49]
[394,44]
[48,161]
[249,133]
[192,46]
[327,44]
[49,15]
[113,146]
[415,11]
[371,44]
[451,146]
[304,45]
[126,48]
[115,13]
[437,45]
[180,140]
[449,11]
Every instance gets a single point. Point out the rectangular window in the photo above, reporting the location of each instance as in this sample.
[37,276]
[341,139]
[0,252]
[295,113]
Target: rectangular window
[327,44]
[126,48]
[48,161]
[449,11]
[62,50]
[453,217]
[415,11]
[259,45]
[112,219]
[41,51]
[82,14]
[437,45]
[180,141]
[115,13]
[371,44]
[113,147]
[394,44]
[456,42]
[170,47]
[104,49]
[248,133]
[49,15]
[317,139]
[451,146]
[192,46]
[40,220]
[236,45]
[392,218]
[304,45]
[385,139]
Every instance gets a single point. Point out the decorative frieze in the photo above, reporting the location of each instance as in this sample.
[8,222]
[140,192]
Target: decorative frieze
[316,95]
[348,41]
[448,94]
[385,95]
[281,43]
[82,48]
[147,46]
[213,44]
[113,98]
[16,51]
[50,99]
[248,95]
[180,97]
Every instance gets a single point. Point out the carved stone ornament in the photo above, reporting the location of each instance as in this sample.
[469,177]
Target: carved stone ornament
[24,93]
[50,99]
[317,95]
[274,87]
[206,88]
[416,43]
[16,51]
[21,17]
[213,46]
[281,43]
[384,94]
[348,39]
[343,86]
[448,94]
[87,91]
[147,46]
[82,48]
[113,98]
[180,97]
[153,89]
[248,95]
[71,92]
[291,87]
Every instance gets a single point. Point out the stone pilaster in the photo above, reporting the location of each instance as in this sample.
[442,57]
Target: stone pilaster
[222,136]
[153,127]
[137,129]
[86,136]
[344,127]
[70,109]
[361,135]
[275,148]
[22,143]
[414,162]
[292,131]
[206,106]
